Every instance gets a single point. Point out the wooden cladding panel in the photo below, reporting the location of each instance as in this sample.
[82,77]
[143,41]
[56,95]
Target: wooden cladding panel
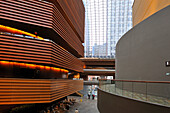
[18,11]
[20,49]
[43,15]
[26,91]
[69,86]
[75,11]
[69,59]
[61,26]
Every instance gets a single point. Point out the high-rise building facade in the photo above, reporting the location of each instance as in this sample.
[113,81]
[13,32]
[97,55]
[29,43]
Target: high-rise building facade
[105,22]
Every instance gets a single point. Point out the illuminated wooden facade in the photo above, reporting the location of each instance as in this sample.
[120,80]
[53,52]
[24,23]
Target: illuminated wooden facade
[42,38]
[48,20]
[26,91]
[13,48]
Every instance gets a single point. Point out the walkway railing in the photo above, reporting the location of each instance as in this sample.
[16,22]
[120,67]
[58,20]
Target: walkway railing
[157,92]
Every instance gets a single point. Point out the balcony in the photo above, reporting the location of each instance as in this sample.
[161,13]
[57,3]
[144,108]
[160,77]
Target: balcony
[28,50]
[136,96]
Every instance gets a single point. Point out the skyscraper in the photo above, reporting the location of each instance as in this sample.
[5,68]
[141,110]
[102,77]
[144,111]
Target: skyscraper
[105,22]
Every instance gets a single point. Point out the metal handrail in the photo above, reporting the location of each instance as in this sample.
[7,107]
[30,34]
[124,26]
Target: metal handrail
[147,91]
[137,81]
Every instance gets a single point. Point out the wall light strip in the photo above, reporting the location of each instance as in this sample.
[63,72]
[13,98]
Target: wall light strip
[16,31]
[35,66]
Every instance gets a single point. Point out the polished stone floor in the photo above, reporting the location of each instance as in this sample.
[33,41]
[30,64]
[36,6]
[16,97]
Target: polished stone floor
[86,106]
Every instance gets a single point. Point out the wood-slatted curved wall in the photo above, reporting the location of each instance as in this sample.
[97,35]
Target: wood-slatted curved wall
[26,91]
[74,13]
[20,49]
[45,16]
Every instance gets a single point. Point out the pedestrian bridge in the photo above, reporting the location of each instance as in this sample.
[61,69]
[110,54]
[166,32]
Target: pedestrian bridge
[107,72]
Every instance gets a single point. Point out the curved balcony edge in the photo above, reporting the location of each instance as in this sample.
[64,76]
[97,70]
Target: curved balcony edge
[120,104]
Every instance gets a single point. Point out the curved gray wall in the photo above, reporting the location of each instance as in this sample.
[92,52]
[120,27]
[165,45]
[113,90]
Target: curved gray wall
[142,52]
[110,103]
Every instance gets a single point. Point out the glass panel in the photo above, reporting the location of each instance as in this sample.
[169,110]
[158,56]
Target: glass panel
[153,92]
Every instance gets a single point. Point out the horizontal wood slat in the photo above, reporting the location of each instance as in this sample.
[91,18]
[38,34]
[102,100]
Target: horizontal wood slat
[13,91]
[20,49]
[74,13]
[75,16]
[45,15]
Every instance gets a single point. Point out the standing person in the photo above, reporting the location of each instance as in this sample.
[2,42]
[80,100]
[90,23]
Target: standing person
[93,94]
[76,111]
[89,94]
